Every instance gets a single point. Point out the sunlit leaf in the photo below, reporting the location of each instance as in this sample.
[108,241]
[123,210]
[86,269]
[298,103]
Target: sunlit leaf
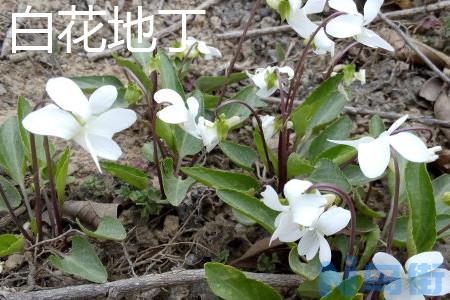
[10,244]
[175,187]
[109,229]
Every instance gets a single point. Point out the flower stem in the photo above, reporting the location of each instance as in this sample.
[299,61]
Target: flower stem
[348,200]
[259,122]
[14,217]
[239,47]
[395,203]
[338,58]
[37,187]
[51,179]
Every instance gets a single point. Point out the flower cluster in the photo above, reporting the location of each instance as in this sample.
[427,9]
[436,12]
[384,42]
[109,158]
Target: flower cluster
[307,217]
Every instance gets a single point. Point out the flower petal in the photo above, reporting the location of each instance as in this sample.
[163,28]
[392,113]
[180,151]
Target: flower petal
[294,188]
[286,231]
[435,283]
[102,99]
[396,125]
[287,70]
[82,139]
[388,265]
[208,133]
[314,6]
[193,106]
[347,6]
[401,290]
[324,251]
[345,26]
[111,122]
[169,96]
[309,244]
[370,38]
[411,147]
[323,43]
[271,200]
[371,10]
[68,96]
[354,143]
[374,157]
[51,121]
[301,24]
[423,263]
[307,209]
[333,220]
[173,114]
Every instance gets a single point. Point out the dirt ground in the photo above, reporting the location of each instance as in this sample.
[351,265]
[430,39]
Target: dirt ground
[202,228]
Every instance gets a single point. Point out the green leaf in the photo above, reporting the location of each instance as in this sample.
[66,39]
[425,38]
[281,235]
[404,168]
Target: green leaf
[10,244]
[251,207]
[82,261]
[231,284]
[442,221]
[174,187]
[241,155]
[441,186]
[339,154]
[298,166]
[208,84]
[401,232]
[12,156]
[309,289]
[61,174]
[371,239]
[149,152]
[143,58]
[132,176]
[169,76]
[322,106]
[363,208]
[338,130]
[356,177]
[260,149]
[166,132]
[247,95]
[346,290]
[280,53]
[219,179]
[422,211]
[11,193]
[309,271]
[136,69]
[90,83]
[376,126]
[109,229]
[185,143]
[284,8]
[327,172]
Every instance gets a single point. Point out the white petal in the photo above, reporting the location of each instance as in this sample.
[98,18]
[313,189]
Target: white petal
[374,157]
[345,26]
[294,188]
[411,147]
[309,244]
[208,133]
[169,96]
[354,143]
[173,114]
[111,122]
[307,209]
[396,125]
[401,290]
[287,70]
[295,4]
[102,99]
[286,231]
[324,251]
[370,38]
[271,200]
[193,106]
[347,6]
[371,10]
[68,96]
[323,43]
[423,263]
[82,139]
[265,93]
[333,220]
[388,265]
[259,79]
[300,22]
[435,283]
[51,121]
[314,6]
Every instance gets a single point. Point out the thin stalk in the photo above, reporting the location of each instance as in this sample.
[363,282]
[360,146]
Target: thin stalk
[395,203]
[51,216]
[260,127]
[37,187]
[14,217]
[283,145]
[348,200]
[26,200]
[443,230]
[338,58]
[51,180]
[239,47]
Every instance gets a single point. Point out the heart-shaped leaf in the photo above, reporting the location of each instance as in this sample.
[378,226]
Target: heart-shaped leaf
[109,229]
[11,193]
[241,155]
[10,244]
[174,187]
[309,271]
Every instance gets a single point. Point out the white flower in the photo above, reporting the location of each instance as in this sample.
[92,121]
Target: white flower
[299,21]
[271,126]
[313,237]
[267,79]
[374,154]
[302,209]
[423,276]
[201,48]
[209,131]
[90,123]
[352,24]
[177,113]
